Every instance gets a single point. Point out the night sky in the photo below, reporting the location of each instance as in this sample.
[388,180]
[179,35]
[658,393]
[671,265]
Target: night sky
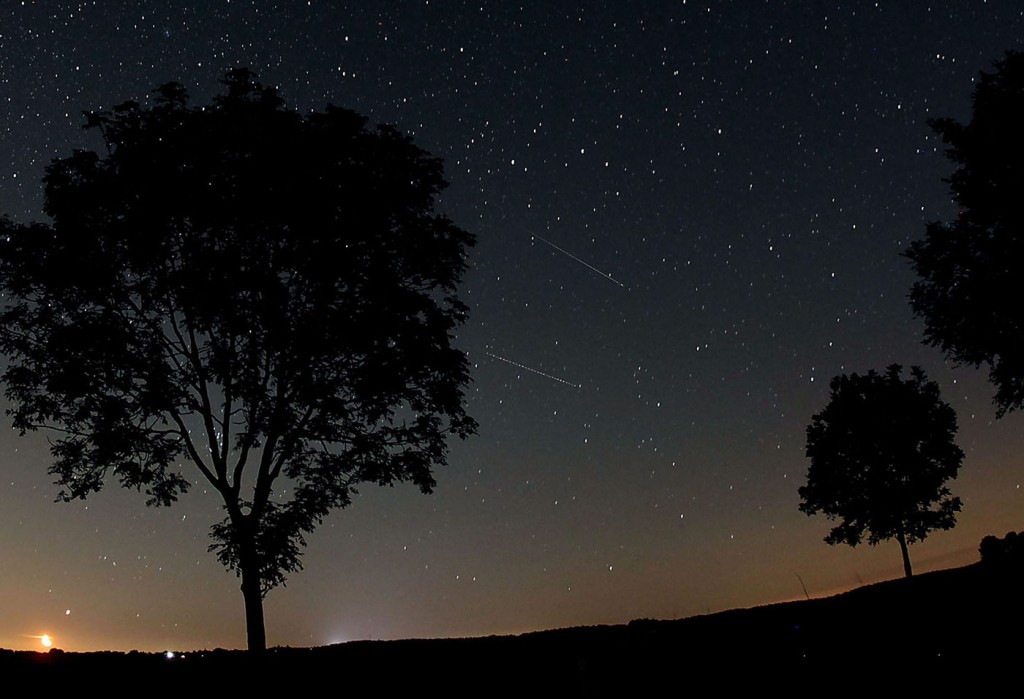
[689,218]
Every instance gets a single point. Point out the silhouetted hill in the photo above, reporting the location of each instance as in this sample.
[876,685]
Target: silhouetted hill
[928,631]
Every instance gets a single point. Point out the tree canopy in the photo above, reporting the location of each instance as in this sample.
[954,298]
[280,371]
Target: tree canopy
[881,453]
[266,295]
[970,268]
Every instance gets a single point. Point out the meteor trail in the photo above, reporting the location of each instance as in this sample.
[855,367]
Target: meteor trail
[588,266]
[540,373]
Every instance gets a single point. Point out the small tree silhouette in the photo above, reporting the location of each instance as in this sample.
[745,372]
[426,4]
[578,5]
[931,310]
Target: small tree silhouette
[881,452]
[267,295]
[970,269]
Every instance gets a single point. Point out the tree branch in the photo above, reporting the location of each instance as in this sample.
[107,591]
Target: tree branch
[206,410]
[194,454]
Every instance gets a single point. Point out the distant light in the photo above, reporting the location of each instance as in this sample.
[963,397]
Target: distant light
[169,655]
[46,640]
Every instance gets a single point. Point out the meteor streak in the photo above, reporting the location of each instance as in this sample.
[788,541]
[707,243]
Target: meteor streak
[535,371]
[46,641]
[588,266]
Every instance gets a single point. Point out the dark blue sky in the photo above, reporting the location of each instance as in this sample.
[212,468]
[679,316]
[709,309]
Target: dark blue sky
[689,218]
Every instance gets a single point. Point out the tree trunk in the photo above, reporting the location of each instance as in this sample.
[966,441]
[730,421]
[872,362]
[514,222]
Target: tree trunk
[906,554]
[255,631]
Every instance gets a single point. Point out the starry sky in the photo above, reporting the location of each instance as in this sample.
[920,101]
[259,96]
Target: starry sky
[690,216]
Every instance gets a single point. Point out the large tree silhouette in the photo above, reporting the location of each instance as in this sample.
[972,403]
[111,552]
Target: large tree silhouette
[970,268]
[881,452]
[266,295]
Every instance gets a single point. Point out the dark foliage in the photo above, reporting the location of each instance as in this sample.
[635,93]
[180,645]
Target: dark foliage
[970,268]
[1008,551]
[267,295]
[881,453]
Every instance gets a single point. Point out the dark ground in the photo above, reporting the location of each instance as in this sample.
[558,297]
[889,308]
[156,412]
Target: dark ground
[938,631]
